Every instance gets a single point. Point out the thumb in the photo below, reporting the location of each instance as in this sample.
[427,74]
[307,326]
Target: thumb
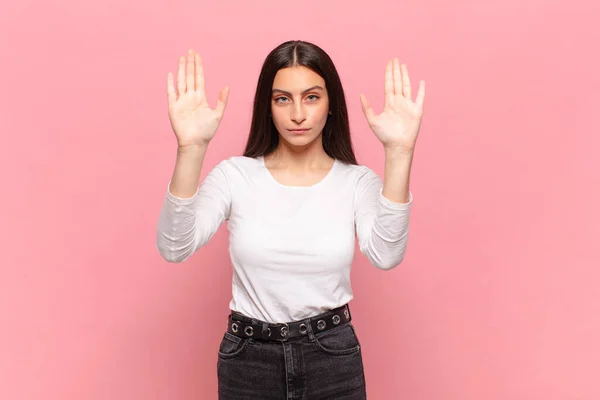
[367,108]
[222,101]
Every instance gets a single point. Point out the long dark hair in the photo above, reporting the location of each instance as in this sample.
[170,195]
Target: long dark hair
[264,138]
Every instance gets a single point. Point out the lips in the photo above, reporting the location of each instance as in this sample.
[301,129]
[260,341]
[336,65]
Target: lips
[298,130]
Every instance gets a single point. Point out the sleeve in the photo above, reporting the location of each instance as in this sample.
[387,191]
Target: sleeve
[186,224]
[381,225]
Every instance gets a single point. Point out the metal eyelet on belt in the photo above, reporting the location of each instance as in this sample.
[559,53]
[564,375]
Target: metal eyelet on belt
[249,331]
[234,327]
[269,331]
[336,319]
[346,314]
[321,325]
[302,329]
[284,331]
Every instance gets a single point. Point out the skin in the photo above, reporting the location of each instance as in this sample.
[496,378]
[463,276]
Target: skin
[397,128]
[299,100]
[299,158]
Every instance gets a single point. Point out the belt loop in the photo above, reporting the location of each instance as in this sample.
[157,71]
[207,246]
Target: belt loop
[311,334]
[265,330]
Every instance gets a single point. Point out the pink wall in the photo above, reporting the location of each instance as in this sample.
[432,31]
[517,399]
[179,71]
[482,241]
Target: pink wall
[497,297]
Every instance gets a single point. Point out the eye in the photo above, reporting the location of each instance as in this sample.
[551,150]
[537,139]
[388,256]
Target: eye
[314,96]
[280,98]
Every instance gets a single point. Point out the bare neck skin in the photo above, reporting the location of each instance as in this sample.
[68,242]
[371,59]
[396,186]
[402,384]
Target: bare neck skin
[299,165]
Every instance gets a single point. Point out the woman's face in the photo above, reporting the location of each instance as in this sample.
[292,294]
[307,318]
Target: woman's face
[299,105]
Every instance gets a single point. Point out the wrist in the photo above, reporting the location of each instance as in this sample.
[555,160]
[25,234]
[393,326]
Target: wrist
[399,151]
[192,150]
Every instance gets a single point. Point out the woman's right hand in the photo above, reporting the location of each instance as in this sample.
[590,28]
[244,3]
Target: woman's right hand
[192,119]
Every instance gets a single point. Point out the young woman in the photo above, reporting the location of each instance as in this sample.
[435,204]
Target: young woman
[293,204]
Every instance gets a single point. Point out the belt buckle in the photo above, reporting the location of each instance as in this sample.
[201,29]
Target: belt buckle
[284,332]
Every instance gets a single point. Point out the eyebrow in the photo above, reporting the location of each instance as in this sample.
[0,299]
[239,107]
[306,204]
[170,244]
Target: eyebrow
[306,91]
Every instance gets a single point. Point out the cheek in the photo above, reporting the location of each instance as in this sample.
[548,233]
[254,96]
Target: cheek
[319,115]
[278,116]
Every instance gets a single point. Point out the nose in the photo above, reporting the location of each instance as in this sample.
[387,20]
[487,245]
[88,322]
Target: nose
[297,113]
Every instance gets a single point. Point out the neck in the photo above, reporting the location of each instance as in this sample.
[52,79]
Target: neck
[300,157]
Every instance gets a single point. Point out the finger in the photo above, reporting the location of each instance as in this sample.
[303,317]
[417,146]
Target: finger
[222,101]
[171,95]
[181,76]
[421,94]
[367,108]
[389,85]
[199,74]
[190,73]
[406,89]
[397,78]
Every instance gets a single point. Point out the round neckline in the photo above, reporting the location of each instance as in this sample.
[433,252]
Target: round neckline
[321,182]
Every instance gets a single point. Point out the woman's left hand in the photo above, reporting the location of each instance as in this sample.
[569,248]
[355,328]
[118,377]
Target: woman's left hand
[399,124]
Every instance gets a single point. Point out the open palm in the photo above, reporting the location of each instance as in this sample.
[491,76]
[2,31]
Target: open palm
[399,123]
[192,119]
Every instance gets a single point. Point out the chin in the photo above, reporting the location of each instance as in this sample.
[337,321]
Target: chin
[300,140]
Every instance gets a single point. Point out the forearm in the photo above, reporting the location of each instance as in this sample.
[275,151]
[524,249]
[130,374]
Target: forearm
[186,174]
[396,182]
[176,236]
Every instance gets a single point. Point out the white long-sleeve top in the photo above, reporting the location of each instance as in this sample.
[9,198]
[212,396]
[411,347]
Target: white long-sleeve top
[291,247]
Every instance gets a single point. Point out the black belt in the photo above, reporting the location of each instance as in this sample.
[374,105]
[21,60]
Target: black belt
[284,331]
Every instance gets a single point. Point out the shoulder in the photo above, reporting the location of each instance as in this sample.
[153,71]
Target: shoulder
[237,170]
[359,175]
[238,164]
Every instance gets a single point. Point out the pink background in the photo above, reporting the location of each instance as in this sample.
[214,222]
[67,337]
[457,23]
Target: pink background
[498,295]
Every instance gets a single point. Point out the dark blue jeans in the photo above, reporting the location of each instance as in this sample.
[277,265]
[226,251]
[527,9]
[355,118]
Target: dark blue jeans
[320,365]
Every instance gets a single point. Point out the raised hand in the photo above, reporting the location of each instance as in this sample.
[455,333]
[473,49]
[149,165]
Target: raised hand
[399,124]
[194,122]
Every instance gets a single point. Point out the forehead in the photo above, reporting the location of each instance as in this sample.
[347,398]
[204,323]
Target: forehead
[296,79]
